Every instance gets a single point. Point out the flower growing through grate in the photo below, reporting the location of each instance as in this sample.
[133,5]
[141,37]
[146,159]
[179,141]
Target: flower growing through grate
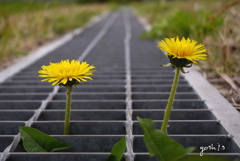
[67,73]
[181,53]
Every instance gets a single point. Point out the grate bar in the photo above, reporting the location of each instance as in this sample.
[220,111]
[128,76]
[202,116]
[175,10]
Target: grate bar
[129,122]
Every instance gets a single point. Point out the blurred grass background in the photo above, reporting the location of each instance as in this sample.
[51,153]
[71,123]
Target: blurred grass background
[24,26]
[15,7]
[28,24]
[216,24]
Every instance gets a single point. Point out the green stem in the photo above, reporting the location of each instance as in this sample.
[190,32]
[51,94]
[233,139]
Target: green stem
[68,110]
[170,101]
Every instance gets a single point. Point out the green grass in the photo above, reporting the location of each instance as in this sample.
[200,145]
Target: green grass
[212,23]
[28,7]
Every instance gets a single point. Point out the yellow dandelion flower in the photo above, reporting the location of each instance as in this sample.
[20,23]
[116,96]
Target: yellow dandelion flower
[184,49]
[67,73]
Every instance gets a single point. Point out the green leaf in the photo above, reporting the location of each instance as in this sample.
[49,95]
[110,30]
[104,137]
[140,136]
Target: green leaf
[118,150]
[37,141]
[203,158]
[160,144]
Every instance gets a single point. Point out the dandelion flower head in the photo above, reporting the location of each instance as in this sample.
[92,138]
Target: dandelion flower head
[67,72]
[183,49]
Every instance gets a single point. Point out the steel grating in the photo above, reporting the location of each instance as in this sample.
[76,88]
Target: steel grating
[129,82]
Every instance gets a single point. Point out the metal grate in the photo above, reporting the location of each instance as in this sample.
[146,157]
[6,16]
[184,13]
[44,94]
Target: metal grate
[128,83]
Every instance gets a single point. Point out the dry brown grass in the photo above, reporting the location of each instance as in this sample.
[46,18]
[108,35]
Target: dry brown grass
[24,32]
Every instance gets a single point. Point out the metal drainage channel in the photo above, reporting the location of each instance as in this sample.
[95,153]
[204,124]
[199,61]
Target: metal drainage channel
[129,82]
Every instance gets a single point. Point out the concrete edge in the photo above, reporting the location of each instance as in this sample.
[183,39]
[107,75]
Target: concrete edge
[228,115]
[44,50]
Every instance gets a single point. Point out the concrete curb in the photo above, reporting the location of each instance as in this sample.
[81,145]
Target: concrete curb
[229,117]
